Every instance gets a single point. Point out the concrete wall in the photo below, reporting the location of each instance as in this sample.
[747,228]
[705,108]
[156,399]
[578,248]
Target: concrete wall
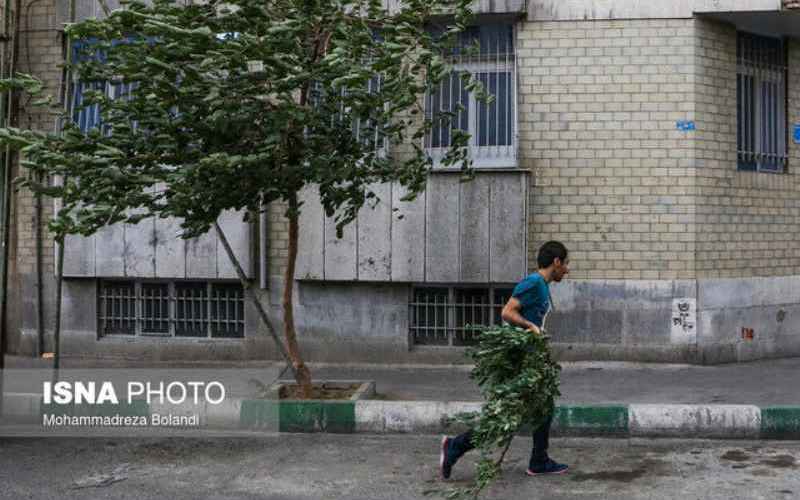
[572,10]
[767,306]
[457,232]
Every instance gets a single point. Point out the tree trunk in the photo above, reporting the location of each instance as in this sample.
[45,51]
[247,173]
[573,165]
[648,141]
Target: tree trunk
[301,372]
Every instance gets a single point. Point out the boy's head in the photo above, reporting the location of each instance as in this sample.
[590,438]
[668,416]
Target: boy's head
[554,254]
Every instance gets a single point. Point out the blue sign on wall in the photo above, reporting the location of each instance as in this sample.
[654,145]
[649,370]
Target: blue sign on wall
[797,133]
[685,125]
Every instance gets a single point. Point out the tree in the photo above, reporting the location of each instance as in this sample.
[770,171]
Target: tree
[236,104]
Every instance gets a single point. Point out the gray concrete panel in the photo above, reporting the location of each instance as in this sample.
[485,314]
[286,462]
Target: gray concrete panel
[170,249]
[341,254]
[238,234]
[583,10]
[767,323]
[407,239]
[79,256]
[589,295]
[311,236]
[110,251]
[744,292]
[573,326]
[646,326]
[508,228]
[336,311]
[201,256]
[375,237]
[442,258]
[79,305]
[140,250]
[474,229]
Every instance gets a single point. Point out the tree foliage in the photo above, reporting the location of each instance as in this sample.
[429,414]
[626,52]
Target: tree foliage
[519,382]
[231,104]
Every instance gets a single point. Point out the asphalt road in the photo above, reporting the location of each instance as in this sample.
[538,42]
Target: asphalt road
[318,466]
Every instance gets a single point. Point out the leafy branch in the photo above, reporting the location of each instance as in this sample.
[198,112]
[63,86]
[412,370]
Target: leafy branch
[519,382]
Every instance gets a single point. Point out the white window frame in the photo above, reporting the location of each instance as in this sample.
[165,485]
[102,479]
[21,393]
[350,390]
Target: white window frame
[499,156]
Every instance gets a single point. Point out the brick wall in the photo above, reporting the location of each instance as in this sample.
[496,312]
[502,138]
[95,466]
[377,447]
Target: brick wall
[746,221]
[613,177]
[40,54]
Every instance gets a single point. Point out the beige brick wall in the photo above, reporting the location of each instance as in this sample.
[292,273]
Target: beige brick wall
[747,222]
[613,177]
[40,54]
[278,252]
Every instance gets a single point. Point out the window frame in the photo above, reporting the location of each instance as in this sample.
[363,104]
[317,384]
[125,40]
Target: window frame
[750,99]
[139,320]
[489,156]
[456,336]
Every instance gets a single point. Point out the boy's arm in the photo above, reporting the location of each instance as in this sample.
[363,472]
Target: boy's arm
[511,314]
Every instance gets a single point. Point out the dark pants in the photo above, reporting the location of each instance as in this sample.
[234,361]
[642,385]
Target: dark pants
[541,440]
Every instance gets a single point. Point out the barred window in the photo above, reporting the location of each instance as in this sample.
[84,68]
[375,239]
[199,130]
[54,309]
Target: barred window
[88,116]
[443,315]
[761,103]
[491,125]
[170,308]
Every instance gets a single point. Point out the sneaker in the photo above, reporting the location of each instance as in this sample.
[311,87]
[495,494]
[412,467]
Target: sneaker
[445,463]
[549,467]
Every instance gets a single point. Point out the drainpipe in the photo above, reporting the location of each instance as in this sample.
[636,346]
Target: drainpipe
[60,244]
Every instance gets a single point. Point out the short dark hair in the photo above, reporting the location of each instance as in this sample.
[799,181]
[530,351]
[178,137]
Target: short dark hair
[549,252]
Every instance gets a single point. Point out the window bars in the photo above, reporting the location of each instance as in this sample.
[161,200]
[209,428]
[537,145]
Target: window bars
[443,315]
[179,309]
[491,125]
[761,103]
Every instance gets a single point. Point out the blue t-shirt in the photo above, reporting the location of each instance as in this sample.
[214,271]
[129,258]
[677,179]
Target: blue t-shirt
[534,294]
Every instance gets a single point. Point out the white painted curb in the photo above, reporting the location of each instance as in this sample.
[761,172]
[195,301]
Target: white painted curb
[708,421]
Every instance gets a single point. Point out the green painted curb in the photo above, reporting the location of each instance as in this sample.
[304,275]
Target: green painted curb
[603,420]
[780,422]
[299,416]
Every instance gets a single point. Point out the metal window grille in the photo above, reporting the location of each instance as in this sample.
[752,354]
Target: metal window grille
[180,309]
[227,311]
[191,309]
[117,308]
[761,103]
[154,312]
[491,125]
[443,315]
[366,131]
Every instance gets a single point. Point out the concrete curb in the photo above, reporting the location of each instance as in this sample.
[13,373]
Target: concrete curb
[387,417]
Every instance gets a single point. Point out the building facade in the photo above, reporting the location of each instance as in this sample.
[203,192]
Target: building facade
[657,140]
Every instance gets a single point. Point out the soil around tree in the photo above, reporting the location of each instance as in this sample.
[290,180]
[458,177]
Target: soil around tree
[320,391]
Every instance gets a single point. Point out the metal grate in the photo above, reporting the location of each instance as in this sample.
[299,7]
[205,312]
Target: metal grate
[761,103]
[191,309]
[428,320]
[154,302]
[181,309]
[491,125]
[227,311]
[443,315]
[117,308]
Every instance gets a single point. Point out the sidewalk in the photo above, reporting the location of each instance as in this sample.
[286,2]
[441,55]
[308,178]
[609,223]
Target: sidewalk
[745,400]
[762,383]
